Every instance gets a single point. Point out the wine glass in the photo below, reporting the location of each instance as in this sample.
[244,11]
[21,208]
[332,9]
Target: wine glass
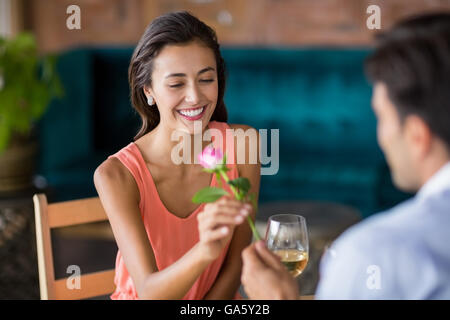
[287,237]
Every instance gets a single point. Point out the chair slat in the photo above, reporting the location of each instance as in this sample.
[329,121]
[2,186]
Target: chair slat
[91,285]
[74,212]
[43,247]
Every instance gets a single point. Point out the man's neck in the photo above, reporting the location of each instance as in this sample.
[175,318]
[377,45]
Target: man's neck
[432,169]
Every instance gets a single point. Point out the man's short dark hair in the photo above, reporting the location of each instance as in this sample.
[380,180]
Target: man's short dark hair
[413,61]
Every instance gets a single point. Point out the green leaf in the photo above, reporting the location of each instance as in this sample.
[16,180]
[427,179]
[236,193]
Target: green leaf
[208,194]
[4,136]
[218,179]
[30,83]
[243,184]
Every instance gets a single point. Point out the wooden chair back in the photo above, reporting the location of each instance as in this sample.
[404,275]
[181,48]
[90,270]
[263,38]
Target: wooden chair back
[64,214]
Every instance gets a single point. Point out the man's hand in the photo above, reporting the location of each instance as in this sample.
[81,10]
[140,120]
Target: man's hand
[264,277]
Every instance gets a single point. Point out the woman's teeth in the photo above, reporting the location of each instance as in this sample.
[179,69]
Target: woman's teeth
[191,113]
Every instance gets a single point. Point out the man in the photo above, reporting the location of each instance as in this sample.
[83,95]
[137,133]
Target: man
[403,253]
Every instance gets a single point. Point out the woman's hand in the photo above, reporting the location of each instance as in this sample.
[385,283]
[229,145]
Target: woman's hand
[216,224]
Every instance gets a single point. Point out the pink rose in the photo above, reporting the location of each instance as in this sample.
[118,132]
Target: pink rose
[210,158]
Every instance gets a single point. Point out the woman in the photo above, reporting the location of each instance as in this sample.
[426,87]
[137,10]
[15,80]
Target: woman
[170,248]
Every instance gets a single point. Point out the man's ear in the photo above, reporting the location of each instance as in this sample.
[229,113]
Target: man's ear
[418,135]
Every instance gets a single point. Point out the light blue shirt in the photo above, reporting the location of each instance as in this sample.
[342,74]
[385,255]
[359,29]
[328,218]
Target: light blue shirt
[403,253]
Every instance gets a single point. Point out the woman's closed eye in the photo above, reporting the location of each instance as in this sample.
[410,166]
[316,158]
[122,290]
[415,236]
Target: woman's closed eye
[177,85]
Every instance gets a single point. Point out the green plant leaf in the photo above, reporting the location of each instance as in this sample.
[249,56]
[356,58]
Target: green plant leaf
[30,83]
[241,183]
[208,194]
[4,136]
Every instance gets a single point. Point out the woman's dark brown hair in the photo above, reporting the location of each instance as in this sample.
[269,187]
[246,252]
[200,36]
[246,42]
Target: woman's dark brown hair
[172,28]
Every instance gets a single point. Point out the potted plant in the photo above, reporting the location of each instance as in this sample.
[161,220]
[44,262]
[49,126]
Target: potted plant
[28,82]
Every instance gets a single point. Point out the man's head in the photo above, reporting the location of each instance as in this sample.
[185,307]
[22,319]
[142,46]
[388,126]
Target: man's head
[410,69]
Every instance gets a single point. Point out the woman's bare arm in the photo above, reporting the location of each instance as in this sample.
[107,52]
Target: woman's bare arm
[119,195]
[228,280]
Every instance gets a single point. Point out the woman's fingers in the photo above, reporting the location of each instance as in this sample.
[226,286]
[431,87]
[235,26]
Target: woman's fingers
[226,216]
[222,214]
[216,234]
[233,210]
[231,202]
[217,220]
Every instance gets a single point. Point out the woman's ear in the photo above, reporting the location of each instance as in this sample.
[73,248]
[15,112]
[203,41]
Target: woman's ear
[148,91]
[150,97]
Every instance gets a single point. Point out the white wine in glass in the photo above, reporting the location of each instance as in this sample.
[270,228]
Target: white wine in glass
[287,237]
[294,260]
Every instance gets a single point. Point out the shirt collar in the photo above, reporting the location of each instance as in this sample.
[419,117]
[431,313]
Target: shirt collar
[438,182]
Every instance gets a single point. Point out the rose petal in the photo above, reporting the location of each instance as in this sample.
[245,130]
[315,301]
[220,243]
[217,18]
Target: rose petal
[210,158]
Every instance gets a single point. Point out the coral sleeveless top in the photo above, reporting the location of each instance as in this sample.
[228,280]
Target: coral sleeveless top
[170,236]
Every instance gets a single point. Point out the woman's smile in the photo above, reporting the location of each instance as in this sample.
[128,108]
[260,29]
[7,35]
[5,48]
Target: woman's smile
[192,114]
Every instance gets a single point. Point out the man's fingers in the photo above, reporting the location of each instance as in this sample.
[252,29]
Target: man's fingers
[270,259]
[251,258]
[251,264]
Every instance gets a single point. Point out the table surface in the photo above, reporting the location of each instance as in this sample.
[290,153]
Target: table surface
[322,218]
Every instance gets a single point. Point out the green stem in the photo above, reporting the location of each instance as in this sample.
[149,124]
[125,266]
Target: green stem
[225,177]
[236,194]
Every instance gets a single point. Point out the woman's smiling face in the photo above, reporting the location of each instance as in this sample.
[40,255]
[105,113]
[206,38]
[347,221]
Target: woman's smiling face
[184,85]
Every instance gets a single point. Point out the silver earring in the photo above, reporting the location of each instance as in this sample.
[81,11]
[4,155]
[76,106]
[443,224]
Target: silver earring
[150,101]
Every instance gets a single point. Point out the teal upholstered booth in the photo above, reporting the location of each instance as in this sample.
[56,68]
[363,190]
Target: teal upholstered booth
[317,98]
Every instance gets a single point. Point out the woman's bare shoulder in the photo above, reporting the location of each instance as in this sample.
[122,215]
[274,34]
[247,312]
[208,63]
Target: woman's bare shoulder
[240,126]
[112,168]
[246,138]
[112,175]
[246,148]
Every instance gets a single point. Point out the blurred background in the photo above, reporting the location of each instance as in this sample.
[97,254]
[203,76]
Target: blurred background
[293,65]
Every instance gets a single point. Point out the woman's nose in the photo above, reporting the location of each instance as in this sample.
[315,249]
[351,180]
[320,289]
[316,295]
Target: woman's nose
[193,95]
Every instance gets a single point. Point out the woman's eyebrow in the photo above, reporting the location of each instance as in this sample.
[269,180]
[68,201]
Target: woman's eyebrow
[206,70]
[184,75]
